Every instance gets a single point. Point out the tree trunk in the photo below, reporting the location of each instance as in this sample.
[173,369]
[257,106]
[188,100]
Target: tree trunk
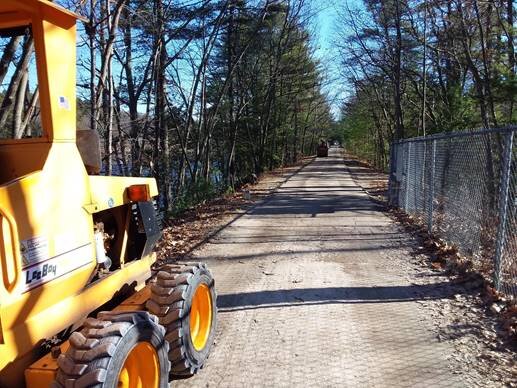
[511,56]
[30,112]
[397,100]
[20,105]
[91,31]
[10,94]
[160,125]
[8,55]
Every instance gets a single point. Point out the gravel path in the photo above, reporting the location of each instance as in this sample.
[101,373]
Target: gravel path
[317,287]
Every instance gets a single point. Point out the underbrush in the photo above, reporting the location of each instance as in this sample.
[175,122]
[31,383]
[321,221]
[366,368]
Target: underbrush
[194,194]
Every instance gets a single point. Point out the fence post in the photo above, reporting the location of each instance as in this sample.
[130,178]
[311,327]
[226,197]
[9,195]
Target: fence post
[391,182]
[406,199]
[430,205]
[503,207]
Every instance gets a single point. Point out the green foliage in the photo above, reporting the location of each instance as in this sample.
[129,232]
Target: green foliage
[194,194]
[356,131]
[273,110]
[463,77]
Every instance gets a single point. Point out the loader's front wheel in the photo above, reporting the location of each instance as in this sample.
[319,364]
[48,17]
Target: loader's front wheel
[116,350]
[184,300]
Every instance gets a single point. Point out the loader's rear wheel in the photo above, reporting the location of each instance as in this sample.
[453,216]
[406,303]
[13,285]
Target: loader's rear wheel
[126,350]
[184,300]
[201,317]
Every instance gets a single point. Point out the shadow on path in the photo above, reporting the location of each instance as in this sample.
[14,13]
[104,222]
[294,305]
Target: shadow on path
[333,295]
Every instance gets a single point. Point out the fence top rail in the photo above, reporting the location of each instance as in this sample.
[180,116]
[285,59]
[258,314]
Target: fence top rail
[450,135]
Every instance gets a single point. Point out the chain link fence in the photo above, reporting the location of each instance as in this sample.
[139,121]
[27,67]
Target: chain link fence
[463,186]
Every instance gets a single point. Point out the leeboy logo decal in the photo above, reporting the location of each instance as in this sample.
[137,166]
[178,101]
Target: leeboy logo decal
[36,275]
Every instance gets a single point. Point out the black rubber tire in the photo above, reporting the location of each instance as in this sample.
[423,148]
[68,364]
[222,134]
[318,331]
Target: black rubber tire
[97,353]
[171,300]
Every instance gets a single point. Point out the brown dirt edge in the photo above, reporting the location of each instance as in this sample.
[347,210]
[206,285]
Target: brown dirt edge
[184,233]
[370,179]
[441,256]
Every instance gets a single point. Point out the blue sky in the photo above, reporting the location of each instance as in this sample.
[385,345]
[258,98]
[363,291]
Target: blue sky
[325,22]
[325,27]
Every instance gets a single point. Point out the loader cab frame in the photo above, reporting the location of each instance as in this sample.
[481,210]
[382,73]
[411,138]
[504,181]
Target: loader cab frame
[54,31]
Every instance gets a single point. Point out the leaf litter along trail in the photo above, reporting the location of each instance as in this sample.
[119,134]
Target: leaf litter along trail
[319,287]
[483,336]
[184,233]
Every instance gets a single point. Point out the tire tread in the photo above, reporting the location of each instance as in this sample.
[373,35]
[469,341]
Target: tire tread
[169,302]
[86,362]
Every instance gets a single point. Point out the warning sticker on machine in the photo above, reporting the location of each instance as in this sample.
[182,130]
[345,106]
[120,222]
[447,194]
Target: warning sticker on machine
[41,273]
[34,250]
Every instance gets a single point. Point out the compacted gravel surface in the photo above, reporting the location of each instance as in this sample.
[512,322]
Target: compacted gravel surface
[317,287]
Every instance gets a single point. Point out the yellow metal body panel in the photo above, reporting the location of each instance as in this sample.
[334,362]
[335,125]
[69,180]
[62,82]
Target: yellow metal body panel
[48,205]
[47,253]
[108,192]
[43,372]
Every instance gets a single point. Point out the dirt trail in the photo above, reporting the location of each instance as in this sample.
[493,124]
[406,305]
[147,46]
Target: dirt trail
[316,288]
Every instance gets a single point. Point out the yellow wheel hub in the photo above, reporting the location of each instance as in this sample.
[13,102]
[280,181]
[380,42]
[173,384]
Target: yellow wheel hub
[141,368]
[201,317]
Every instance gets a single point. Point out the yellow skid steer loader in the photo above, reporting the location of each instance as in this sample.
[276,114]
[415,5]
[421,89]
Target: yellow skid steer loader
[73,244]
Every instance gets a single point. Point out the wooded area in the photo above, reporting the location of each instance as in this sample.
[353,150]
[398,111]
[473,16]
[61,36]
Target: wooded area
[421,67]
[203,95]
